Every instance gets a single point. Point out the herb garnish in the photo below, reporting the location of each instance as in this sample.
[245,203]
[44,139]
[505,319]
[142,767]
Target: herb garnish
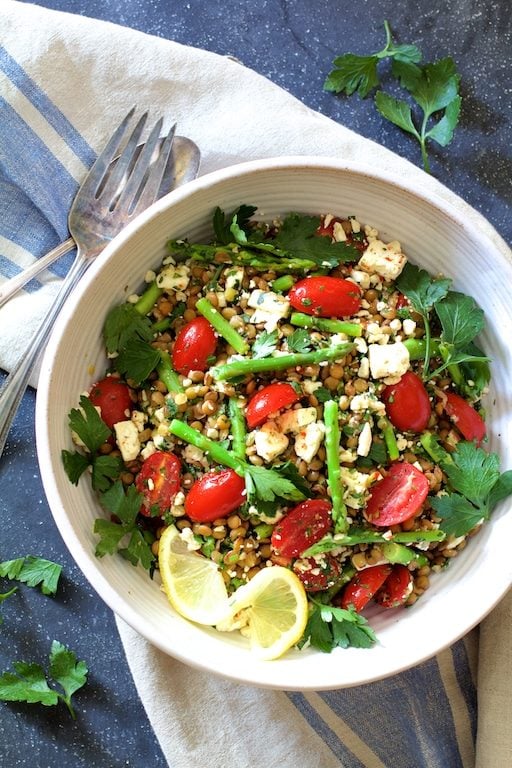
[329,627]
[29,682]
[123,534]
[433,89]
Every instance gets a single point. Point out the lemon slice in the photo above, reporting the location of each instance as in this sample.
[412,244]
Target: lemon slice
[271,610]
[193,584]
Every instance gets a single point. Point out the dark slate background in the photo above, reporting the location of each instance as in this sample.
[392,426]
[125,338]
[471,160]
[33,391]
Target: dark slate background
[292,43]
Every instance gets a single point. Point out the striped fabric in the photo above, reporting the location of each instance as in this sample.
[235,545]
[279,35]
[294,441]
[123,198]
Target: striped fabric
[422,718]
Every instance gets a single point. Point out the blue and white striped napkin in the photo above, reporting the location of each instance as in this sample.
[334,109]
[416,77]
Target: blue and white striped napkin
[66,81]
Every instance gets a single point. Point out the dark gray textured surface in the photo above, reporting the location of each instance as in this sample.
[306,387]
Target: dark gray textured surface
[292,43]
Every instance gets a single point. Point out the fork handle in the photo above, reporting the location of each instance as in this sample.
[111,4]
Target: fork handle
[16,382]
[12,286]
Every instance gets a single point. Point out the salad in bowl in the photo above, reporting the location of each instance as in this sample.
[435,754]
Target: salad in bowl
[290,426]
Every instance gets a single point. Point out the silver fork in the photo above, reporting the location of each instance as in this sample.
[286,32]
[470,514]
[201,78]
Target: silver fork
[108,199]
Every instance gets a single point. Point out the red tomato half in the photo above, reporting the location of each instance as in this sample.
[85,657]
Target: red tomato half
[158,481]
[112,396]
[215,495]
[317,576]
[466,419]
[362,586]
[194,344]
[303,526]
[398,496]
[396,589]
[407,403]
[269,400]
[325,297]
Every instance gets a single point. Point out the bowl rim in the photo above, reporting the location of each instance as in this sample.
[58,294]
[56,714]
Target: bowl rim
[86,560]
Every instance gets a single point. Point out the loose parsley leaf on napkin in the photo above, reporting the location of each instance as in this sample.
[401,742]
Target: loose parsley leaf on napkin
[29,682]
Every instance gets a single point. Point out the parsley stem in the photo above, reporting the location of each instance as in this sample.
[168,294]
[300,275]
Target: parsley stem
[325,324]
[222,326]
[279,363]
[238,427]
[147,301]
[167,374]
[332,449]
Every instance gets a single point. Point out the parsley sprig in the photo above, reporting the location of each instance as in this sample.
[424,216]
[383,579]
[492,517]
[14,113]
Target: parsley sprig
[431,109]
[329,627]
[34,572]
[475,486]
[29,682]
[88,426]
[122,533]
[460,319]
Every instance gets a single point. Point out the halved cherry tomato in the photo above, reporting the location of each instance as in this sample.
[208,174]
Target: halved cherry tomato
[362,586]
[269,400]
[396,589]
[407,403]
[317,576]
[194,344]
[325,296]
[158,481]
[112,396]
[304,525]
[214,495]
[466,419]
[398,496]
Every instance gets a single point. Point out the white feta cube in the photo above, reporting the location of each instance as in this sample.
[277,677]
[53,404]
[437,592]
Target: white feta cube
[388,360]
[174,277]
[294,421]
[356,486]
[386,259]
[364,442]
[269,441]
[127,439]
[309,440]
[269,308]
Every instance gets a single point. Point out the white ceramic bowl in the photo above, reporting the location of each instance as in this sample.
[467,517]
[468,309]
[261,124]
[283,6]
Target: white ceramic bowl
[434,236]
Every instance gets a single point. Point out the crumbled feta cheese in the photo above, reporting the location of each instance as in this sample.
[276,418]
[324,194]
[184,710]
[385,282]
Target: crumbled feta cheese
[395,324]
[338,233]
[294,421]
[127,439]
[387,260]
[364,368]
[308,441]
[148,450]
[193,455]
[188,537]
[408,327]
[139,419]
[367,402]
[174,277]
[361,278]
[356,486]
[356,226]
[269,308]
[364,442]
[270,441]
[309,386]
[388,361]
[361,345]
[233,282]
